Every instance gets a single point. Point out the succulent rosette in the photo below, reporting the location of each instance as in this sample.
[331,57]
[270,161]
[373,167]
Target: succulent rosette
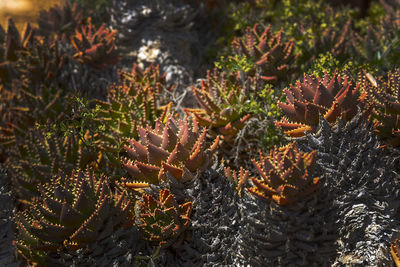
[286,175]
[71,212]
[176,147]
[330,97]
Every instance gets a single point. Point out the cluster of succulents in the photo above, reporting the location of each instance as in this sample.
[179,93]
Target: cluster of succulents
[274,58]
[135,102]
[353,166]
[45,106]
[37,158]
[7,210]
[12,42]
[158,170]
[95,47]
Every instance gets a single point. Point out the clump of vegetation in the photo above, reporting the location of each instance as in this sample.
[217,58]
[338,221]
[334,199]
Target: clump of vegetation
[149,169]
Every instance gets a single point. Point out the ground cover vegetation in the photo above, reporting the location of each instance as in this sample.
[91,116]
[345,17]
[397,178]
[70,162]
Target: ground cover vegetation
[201,133]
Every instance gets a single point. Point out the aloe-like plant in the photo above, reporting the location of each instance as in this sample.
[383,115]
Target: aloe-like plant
[25,109]
[95,47]
[315,97]
[332,40]
[379,45]
[383,98]
[395,251]
[28,59]
[286,175]
[11,44]
[274,57]
[176,147]
[60,20]
[163,220]
[223,98]
[237,178]
[135,102]
[36,158]
[72,211]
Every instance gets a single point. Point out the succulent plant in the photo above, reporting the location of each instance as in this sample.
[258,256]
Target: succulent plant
[60,19]
[136,102]
[28,58]
[8,100]
[26,109]
[7,248]
[237,178]
[222,98]
[43,64]
[333,39]
[216,219]
[329,97]
[360,176]
[73,211]
[286,175]
[390,6]
[210,239]
[163,220]
[118,249]
[378,46]
[145,77]
[95,47]
[36,158]
[384,99]
[175,147]
[302,233]
[11,43]
[395,251]
[274,57]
